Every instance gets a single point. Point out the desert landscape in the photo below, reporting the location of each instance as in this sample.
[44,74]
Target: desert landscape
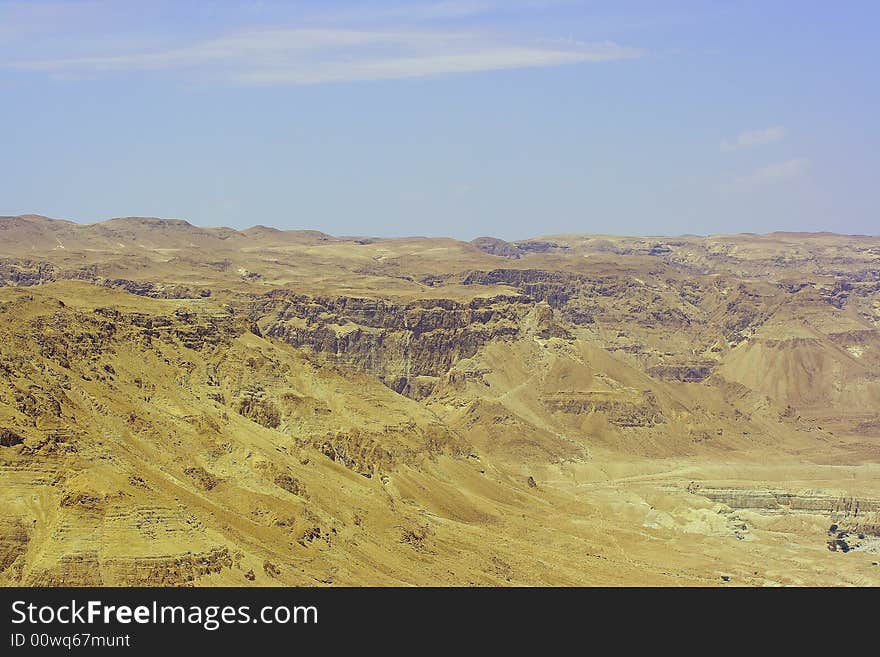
[188,406]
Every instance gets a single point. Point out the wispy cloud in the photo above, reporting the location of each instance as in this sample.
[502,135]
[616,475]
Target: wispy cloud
[310,56]
[410,44]
[752,138]
[775,173]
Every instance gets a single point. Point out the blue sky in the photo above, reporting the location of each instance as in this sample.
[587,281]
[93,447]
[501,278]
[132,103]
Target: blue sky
[511,118]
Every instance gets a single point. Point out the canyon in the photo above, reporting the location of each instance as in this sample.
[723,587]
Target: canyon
[190,406]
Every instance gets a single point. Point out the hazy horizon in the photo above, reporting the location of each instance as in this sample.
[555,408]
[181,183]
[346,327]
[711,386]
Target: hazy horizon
[455,118]
[403,236]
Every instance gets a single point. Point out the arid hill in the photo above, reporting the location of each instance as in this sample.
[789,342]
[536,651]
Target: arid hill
[205,406]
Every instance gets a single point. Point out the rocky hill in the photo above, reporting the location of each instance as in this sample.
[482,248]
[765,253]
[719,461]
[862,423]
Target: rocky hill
[205,406]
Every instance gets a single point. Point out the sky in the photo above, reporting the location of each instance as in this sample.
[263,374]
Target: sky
[461,118]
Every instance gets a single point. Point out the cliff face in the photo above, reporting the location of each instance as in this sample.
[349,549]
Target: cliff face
[395,342]
[141,426]
[207,406]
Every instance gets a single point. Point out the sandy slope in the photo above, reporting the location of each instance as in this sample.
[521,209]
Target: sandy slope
[181,405]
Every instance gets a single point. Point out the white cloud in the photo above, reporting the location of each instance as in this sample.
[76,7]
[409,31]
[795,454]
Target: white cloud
[752,138]
[346,47]
[310,55]
[775,173]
